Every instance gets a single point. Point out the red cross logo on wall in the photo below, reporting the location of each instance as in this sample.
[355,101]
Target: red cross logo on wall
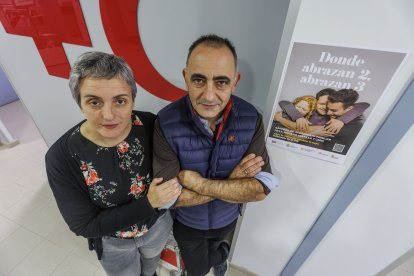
[51,23]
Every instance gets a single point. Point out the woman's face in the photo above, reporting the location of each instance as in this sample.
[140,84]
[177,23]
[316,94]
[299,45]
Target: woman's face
[107,105]
[321,104]
[303,107]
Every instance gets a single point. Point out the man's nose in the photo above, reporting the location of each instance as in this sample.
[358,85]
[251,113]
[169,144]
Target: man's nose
[209,90]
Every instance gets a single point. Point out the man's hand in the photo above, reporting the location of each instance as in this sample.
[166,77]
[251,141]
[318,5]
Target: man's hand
[160,194]
[190,179]
[249,166]
[322,132]
[334,126]
[302,125]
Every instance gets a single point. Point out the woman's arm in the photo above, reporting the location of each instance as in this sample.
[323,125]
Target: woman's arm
[290,110]
[79,212]
[284,122]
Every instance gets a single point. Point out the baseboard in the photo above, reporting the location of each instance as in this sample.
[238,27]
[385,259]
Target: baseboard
[8,145]
[241,271]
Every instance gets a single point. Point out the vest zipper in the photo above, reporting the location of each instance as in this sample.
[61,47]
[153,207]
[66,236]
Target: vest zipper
[209,203]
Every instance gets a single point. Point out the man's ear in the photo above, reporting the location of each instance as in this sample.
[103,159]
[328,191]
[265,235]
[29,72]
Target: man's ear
[80,107]
[184,72]
[349,108]
[236,82]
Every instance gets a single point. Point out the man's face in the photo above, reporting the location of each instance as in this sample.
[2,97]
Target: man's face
[335,110]
[321,104]
[211,78]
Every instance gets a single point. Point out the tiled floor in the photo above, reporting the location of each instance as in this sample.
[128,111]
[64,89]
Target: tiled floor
[34,239]
[404,269]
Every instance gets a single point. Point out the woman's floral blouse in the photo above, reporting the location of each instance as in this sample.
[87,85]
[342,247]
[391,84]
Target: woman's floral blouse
[116,175]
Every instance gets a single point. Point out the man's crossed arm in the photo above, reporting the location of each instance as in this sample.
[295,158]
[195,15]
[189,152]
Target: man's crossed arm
[240,187]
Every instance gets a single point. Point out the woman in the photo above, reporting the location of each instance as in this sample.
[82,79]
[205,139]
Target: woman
[305,105]
[301,107]
[100,170]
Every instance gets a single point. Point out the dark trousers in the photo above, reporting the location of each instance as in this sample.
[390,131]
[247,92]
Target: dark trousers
[200,249]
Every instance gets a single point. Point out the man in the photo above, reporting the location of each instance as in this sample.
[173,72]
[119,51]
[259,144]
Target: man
[339,104]
[206,134]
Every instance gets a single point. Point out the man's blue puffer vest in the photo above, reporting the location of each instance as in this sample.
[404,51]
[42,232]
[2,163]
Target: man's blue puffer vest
[198,151]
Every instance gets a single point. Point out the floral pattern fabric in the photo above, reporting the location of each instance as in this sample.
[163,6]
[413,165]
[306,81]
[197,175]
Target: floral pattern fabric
[115,175]
[89,173]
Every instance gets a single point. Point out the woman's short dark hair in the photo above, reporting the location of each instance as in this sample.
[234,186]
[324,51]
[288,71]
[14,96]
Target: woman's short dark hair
[101,66]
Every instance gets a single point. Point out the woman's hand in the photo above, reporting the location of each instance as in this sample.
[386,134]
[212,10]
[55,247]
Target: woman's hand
[160,193]
[277,116]
[302,125]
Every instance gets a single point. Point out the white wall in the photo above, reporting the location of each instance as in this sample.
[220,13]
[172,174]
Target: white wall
[378,226]
[273,229]
[167,30]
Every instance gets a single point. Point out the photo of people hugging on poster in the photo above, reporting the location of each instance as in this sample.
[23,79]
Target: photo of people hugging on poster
[330,120]
[326,96]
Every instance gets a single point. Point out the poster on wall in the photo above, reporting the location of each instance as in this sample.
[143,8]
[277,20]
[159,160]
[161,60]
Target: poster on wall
[326,95]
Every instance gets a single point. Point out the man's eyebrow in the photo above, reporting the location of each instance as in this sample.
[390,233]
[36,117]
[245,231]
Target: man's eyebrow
[90,96]
[221,78]
[121,95]
[197,76]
